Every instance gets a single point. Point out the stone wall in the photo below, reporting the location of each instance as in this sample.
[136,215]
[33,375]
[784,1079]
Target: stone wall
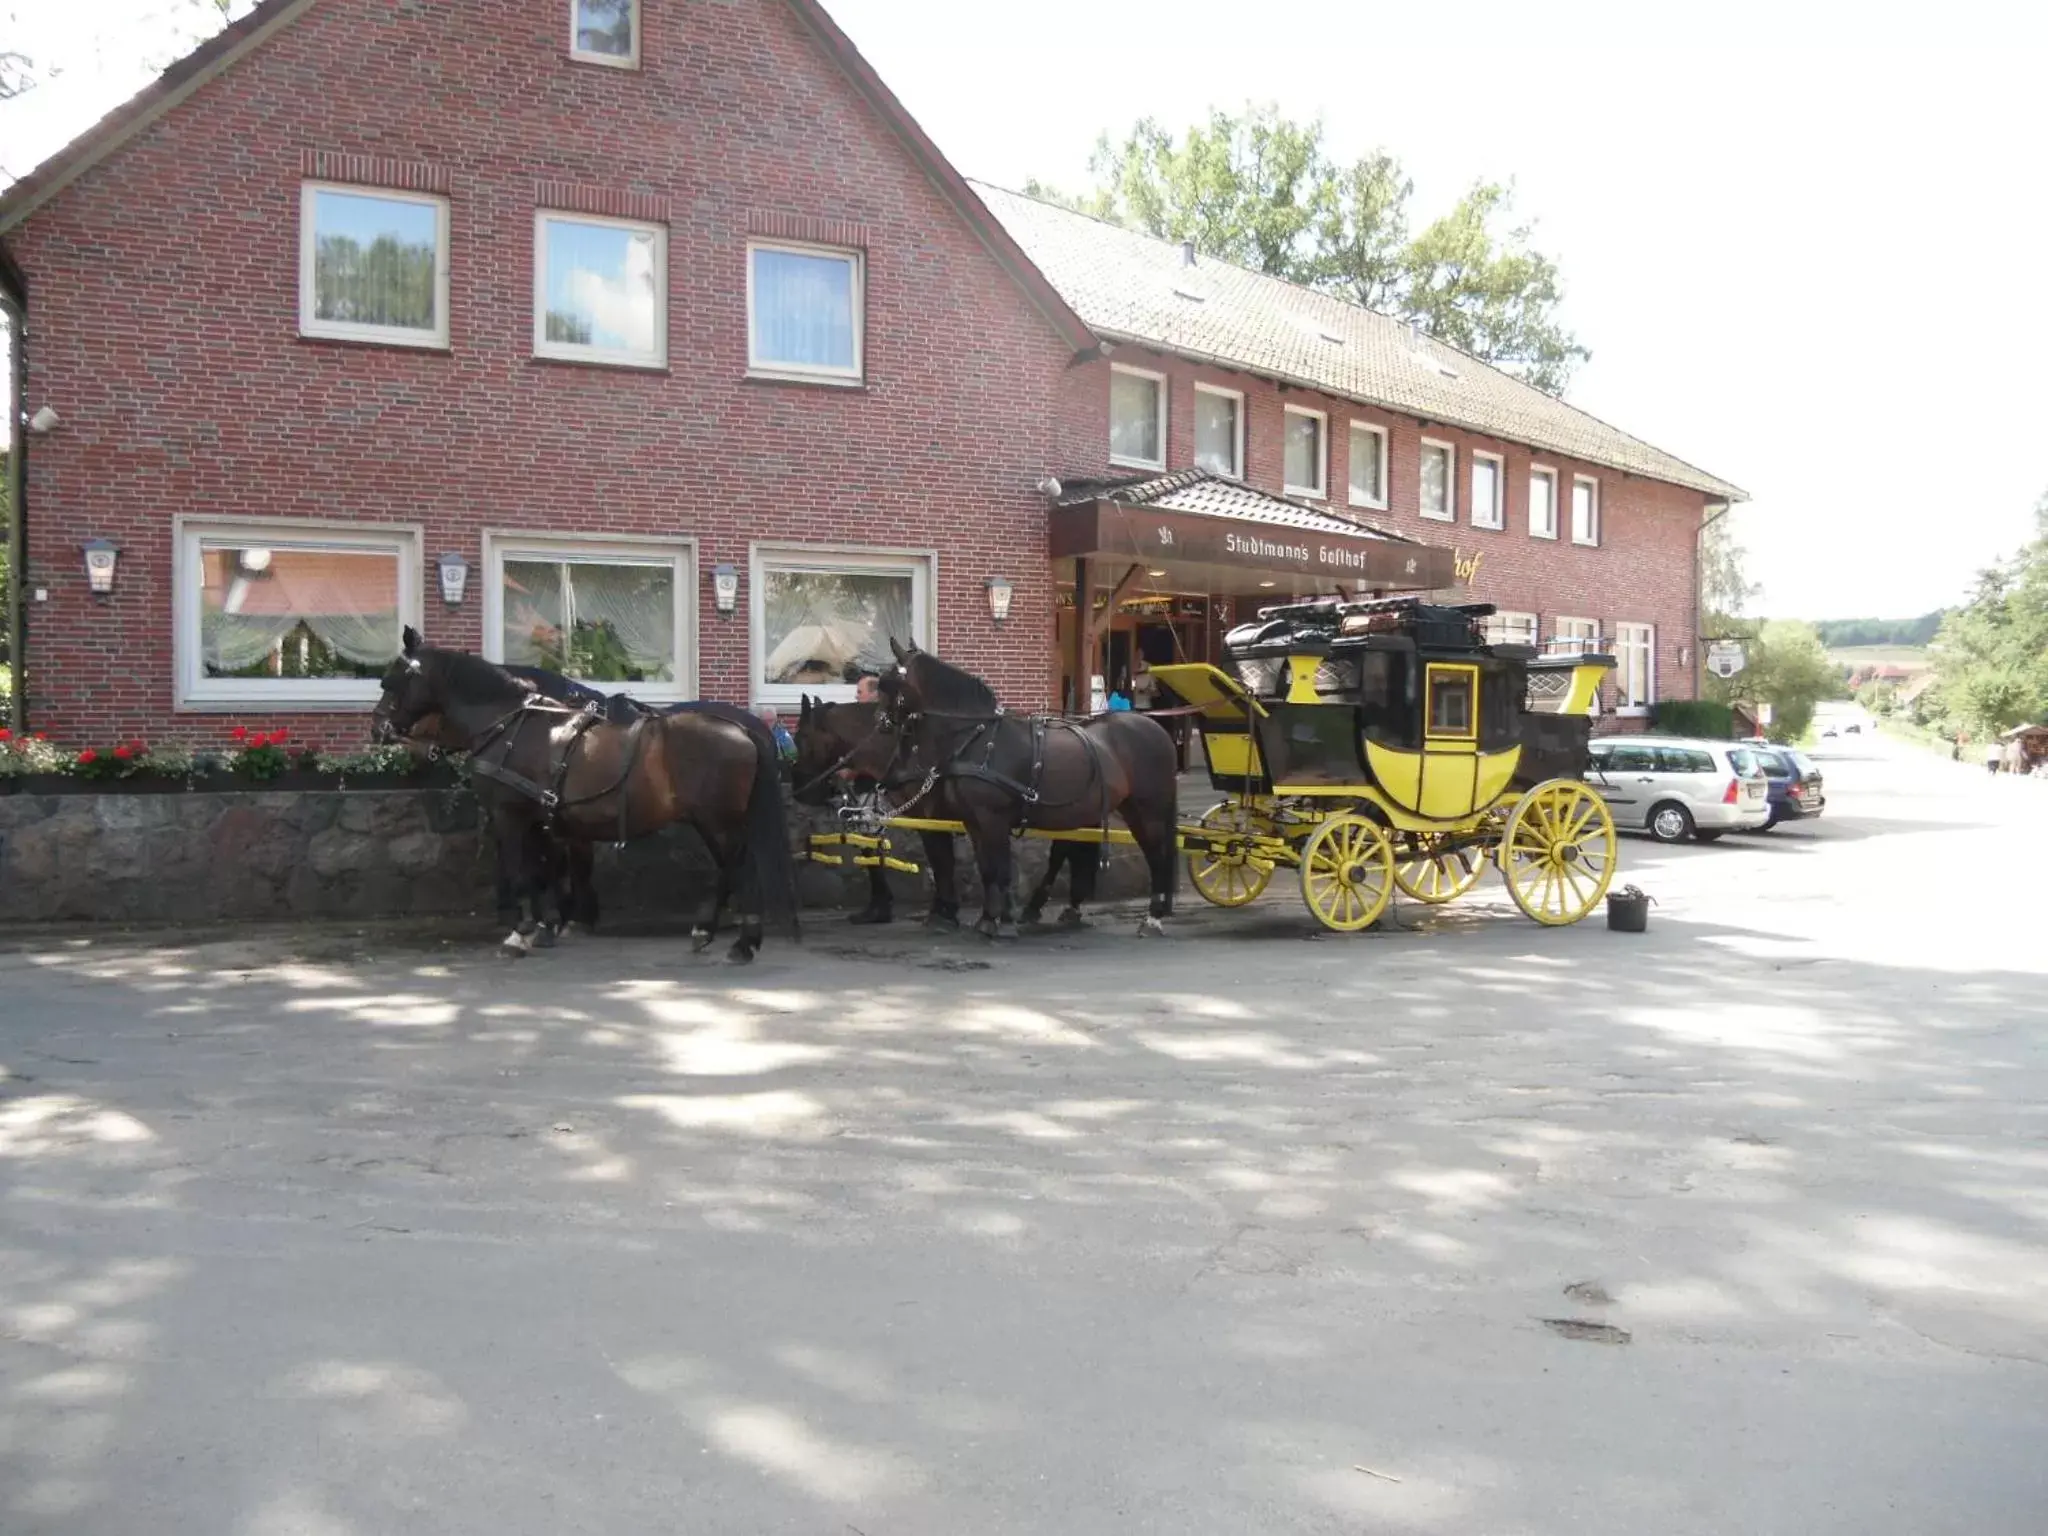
[279,855]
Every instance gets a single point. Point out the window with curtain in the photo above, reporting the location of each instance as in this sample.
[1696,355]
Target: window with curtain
[1543,503]
[1486,491]
[1304,461]
[598,617]
[1368,465]
[607,31]
[816,616]
[1137,418]
[1439,461]
[804,311]
[1635,676]
[601,290]
[373,266]
[289,615]
[1585,510]
[1219,431]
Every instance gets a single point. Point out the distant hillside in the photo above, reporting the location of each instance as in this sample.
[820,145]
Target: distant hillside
[1841,634]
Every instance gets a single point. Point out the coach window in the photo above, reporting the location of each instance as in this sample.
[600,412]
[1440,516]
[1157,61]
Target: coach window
[289,615]
[814,612]
[618,614]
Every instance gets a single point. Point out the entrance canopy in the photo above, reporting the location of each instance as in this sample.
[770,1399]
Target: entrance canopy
[1194,531]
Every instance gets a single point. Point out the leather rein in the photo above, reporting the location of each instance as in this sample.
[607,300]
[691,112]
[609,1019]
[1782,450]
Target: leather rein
[503,735]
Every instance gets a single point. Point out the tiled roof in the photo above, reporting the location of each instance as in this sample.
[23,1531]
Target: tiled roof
[1211,495]
[1131,287]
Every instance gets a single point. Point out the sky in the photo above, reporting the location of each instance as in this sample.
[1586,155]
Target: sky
[1804,240]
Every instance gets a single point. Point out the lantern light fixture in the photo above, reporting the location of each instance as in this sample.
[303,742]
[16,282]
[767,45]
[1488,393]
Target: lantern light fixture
[725,587]
[454,578]
[101,556]
[999,591]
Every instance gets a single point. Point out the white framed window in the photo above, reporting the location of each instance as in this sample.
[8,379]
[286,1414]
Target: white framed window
[1439,481]
[805,312]
[605,32]
[1635,672]
[1219,430]
[1137,417]
[1489,488]
[1585,510]
[1542,502]
[1508,628]
[1576,637]
[299,615]
[1305,452]
[600,290]
[373,265]
[813,611]
[1368,465]
[617,613]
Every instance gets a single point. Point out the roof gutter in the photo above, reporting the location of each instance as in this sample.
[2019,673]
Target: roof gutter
[14,301]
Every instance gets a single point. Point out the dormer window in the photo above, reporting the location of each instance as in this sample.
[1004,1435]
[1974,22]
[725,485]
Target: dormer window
[605,32]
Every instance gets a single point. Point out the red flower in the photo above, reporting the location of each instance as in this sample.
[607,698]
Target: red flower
[122,753]
[5,734]
[139,746]
[88,756]
[42,736]
[239,733]
[277,736]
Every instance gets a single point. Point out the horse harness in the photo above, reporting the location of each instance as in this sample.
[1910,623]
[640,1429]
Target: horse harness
[491,754]
[988,732]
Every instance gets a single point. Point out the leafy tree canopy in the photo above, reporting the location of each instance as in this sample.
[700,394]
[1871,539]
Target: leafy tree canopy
[1991,654]
[1263,191]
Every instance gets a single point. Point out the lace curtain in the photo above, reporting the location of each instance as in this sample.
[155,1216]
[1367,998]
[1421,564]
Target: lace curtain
[803,310]
[610,623]
[817,622]
[347,600]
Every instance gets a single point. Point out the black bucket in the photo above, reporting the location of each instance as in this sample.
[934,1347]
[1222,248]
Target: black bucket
[1628,910]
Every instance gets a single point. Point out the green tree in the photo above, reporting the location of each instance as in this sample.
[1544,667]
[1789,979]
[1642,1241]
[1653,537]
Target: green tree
[1788,669]
[1991,654]
[1261,190]
[1725,587]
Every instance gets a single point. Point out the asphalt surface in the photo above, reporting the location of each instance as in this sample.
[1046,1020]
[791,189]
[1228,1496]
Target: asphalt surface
[1739,1225]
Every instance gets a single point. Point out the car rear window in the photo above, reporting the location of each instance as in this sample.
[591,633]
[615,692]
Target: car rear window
[1804,764]
[1744,761]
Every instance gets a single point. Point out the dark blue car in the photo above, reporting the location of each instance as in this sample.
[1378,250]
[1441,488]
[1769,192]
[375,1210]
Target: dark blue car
[1796,790]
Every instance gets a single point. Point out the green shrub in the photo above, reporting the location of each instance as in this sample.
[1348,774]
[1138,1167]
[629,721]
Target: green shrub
[1693,717]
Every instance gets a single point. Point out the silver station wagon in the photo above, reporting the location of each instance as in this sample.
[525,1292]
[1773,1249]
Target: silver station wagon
[1677,788]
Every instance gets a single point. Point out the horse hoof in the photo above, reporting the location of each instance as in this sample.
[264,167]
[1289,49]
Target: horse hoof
[739,954]
[1033,916]
[986,927]
[1071,917]
[942,922]
[544,938]
[1151,928]
[516,946]
[699,941]
[1007,931]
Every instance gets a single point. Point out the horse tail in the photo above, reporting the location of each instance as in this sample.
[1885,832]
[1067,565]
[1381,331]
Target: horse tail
[768,852]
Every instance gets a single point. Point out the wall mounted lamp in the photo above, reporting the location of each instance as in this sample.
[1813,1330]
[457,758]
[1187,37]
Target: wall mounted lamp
[454,578]
[725,587]
[100,558]
[999,598]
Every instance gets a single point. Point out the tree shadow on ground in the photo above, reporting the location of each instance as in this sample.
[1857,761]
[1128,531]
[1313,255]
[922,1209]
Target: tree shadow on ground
[1078,1235]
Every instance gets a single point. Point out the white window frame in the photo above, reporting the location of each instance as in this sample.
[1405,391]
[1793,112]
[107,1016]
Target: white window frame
[1498,517]
[1320,491]
[195,692]
[502,544]
[756,368]
[1450,511]
[1158,379]
[380,335]
[1646,646]
[1543,472]
[1497,623]
[609,61]
[1236,472]
[1378,499]
[1576,645]
[571,352]
[1594,484]
[922,565]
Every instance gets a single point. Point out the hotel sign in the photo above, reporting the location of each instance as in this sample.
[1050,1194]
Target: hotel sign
[1106,531]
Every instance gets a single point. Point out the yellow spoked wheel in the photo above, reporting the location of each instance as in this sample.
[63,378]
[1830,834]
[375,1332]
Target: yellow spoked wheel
[1430,869]
[1236,878]
[1558,853]
[1347,873]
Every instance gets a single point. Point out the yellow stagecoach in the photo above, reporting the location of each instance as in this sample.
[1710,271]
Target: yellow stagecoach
[1382,745]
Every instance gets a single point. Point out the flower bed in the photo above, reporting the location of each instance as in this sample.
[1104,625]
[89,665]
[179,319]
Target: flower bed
[258,760]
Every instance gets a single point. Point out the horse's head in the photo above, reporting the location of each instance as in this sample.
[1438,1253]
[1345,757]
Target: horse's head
[412,692]
[837,744]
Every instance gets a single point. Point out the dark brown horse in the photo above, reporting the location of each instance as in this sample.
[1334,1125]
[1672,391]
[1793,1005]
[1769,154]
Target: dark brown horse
[846,750]
[995,772]
[543,768]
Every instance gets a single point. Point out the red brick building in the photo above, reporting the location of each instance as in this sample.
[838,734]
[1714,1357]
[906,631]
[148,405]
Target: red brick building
[654,341]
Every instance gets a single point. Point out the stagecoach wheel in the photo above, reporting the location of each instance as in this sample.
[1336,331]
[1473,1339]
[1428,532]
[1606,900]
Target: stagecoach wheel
[1231,879]
[1559,852]
[1431,869]
[1347,873]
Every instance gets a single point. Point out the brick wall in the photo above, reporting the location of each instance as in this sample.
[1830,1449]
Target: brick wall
[164,329]
[1640,573]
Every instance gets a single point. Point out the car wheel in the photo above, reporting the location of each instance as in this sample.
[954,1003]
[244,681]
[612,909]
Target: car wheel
[1670,823]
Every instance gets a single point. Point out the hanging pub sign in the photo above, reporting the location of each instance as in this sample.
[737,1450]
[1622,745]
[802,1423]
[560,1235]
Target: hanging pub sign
[1725,658]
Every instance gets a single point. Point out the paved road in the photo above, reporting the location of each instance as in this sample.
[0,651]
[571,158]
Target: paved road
[1738,1226]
